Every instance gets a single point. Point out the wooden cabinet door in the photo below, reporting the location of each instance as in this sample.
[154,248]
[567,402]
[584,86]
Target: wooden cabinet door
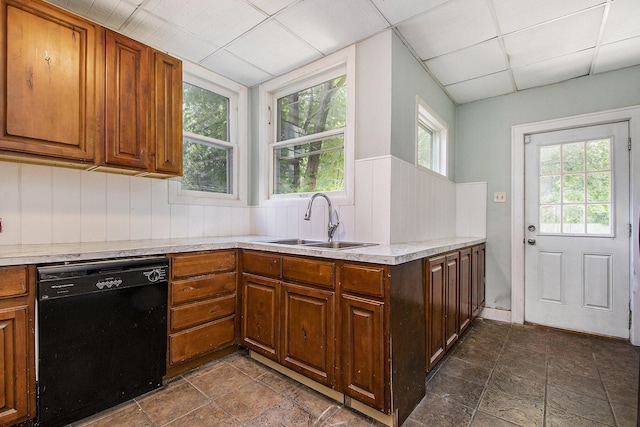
[51,73]
[451,299]
[435,308]
[464,312]
[260,329]
[308,332]
[362,350]
[166,119]
[481,276]
[128,103]
[14,366]
[477,279]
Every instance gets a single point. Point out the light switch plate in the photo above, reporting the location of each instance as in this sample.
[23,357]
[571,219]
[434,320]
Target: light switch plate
[499,197]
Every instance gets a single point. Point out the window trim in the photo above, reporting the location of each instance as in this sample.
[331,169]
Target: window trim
[334,65]
[427,116]
[237,95]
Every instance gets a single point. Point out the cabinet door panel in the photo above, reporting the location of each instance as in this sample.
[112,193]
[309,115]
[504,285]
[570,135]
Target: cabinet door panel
[436,273]
[363,350]
[308,332]
[52,98]
[260,315]
[464,314]
[128,102]
[167,114]
[451,300]
[13,364]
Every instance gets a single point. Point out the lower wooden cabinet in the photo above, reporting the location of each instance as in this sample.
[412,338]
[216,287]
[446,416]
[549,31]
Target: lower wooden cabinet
[202,306]
[261,315]
[308,336]
[363,350]
[454,290]
[17,358]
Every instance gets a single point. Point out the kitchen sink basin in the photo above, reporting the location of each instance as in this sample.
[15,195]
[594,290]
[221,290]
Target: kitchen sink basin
[319,244]
[295,242]
[339,245]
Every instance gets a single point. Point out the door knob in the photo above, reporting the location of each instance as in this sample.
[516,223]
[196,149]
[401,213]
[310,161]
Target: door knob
[531,241]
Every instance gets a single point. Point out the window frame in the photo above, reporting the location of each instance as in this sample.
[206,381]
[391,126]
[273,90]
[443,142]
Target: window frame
[237,95]
[334,65]
[428,118]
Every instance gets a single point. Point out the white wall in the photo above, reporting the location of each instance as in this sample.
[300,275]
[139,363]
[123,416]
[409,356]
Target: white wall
[44,205]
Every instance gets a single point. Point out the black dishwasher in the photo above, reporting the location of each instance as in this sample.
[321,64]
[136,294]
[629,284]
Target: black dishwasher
[102,334]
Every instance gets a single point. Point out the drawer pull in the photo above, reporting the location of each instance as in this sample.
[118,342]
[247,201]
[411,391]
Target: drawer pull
[214,311]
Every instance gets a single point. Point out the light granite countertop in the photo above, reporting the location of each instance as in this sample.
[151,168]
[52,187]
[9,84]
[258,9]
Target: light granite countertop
[378,254]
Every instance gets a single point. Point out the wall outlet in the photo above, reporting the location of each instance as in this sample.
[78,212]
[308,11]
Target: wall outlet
[499,197]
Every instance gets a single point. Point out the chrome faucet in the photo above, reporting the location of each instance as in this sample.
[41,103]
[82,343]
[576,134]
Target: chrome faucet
[331,227]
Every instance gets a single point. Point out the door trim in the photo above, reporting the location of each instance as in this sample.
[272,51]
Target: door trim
[518,132]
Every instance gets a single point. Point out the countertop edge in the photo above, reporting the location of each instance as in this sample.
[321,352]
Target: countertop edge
[393,254]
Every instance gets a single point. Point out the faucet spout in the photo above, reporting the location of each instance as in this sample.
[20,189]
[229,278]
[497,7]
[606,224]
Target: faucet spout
[332,226]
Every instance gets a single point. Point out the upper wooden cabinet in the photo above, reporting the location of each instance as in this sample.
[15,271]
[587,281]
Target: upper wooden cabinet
[77,94]
[52,84]
[143,112]
[166,118]
[128,102]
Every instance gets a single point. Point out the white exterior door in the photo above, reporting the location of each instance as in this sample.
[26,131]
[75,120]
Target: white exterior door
[577,235]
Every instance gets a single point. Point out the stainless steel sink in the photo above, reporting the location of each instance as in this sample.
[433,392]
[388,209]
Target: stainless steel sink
[339,245]
[319,244]
[294,242]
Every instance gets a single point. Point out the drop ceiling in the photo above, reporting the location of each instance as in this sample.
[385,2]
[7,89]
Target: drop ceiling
[475,49]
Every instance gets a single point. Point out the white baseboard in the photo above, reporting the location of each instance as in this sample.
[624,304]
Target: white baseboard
[496,314]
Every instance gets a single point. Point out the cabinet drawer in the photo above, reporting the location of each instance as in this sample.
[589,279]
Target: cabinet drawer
[319,273]
[199,263]
[201,312]
[13,281]
[265,264]
[201,339]
[363,279]
[202,287]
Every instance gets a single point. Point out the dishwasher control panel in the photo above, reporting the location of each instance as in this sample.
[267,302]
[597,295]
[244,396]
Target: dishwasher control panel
[69,279]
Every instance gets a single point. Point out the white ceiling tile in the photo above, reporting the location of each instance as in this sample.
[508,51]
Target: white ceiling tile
[618,55]
[189,12]
[475,61]
[329,25]
[219,23]
[164,9]
[623,21]
[229,65]
[481,88]
[120,15]
[272,48]
[396,11]
[142,25]
[271,7]
[553,70]
[515,15]
[188,46]
[454,25]
[572,34]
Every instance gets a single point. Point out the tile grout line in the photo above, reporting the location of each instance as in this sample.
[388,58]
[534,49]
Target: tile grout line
[604,387]
[486,384]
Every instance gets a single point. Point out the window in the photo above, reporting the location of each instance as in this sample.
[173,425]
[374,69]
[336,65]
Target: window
[431,139]
[576,188]
[309,130]
[213,120]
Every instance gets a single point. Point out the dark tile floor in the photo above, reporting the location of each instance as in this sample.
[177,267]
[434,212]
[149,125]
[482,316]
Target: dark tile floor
[497,375]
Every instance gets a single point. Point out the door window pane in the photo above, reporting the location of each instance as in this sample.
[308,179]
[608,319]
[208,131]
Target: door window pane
[575,188]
